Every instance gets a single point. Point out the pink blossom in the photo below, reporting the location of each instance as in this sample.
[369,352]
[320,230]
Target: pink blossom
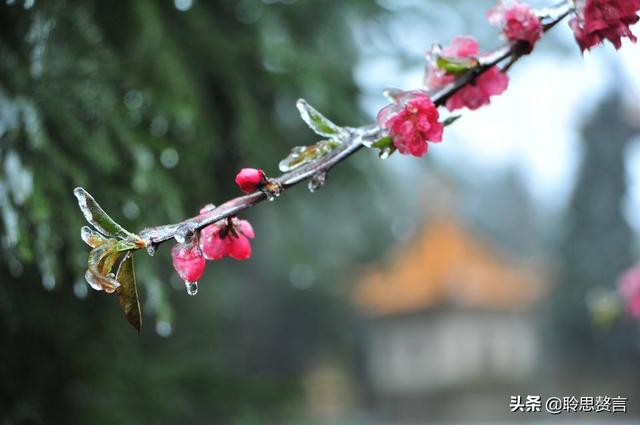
[188,262]
[517,21]
[249,179]
[477,93]
[230,238]
[412,122]
[599,20]
[462,47]
[629,288]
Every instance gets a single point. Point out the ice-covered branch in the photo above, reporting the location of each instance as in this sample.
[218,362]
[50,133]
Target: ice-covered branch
[353,140]
[458,76]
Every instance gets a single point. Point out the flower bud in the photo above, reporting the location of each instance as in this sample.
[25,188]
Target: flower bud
[250,179]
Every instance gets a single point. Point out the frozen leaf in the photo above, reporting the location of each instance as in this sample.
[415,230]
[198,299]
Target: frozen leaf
[99,219]
[301,155]
[128,292]
[91,237]
[453,65]
[318,122]
[101,282]
[101,261]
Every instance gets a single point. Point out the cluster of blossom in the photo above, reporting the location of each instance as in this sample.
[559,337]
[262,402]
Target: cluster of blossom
[229,238]
[412,120]
[599,20]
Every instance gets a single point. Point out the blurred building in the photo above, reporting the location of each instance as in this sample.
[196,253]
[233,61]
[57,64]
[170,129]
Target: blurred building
[449,332]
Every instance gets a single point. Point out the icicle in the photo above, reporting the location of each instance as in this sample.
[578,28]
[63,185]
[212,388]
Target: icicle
[317,181]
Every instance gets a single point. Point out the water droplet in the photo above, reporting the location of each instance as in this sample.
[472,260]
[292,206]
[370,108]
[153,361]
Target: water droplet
[192,287]
[317,181]
[151,250]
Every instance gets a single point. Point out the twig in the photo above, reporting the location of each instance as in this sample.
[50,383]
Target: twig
[154,236]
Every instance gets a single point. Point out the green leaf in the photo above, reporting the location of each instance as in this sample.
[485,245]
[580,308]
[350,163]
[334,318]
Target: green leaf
[128,293]
[383,143]
[301,155]
[454,65]
[450,120]
[99,219]
[317,122]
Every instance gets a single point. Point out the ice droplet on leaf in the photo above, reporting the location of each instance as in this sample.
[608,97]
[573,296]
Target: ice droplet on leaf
[301,155]
[192,287]
[151,250]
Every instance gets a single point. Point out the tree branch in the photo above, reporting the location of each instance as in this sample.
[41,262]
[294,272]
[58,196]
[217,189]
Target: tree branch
[352,142]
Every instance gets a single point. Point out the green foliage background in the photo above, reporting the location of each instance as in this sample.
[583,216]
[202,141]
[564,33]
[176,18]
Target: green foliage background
[153,110]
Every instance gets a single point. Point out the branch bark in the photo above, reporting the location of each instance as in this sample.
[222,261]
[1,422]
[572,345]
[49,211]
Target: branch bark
[154,236]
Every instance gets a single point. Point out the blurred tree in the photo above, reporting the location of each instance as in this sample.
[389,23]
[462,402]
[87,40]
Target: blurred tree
[597,247]
[153,106]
